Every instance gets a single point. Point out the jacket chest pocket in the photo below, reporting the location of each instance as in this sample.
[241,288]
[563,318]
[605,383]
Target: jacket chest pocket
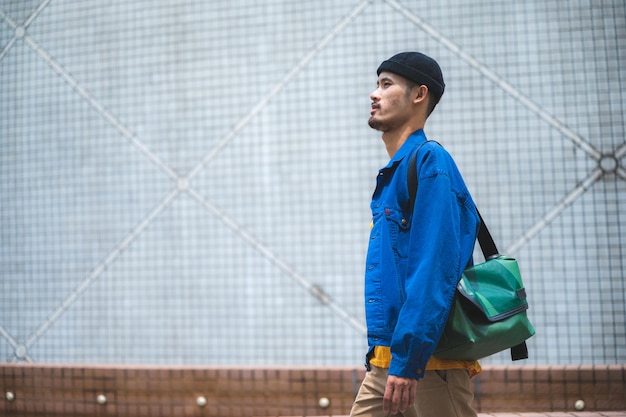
[398,227]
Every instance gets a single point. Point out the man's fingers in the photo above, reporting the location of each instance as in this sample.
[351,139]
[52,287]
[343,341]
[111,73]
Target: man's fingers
[412,392]
[399,394]
[403,403]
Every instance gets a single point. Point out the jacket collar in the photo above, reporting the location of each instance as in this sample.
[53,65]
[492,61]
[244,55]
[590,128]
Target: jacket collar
[414,140]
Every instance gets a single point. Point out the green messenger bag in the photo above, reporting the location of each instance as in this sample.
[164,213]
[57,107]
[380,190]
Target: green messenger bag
[488,313]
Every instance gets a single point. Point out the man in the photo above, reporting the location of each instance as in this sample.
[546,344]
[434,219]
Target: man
[415,256]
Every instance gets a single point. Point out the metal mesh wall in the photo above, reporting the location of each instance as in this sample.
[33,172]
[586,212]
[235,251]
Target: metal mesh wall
[189,182]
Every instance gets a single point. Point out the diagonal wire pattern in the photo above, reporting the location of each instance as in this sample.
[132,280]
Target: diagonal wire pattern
[314,290]
[99,269]
[183,186]
[515,93]
[553,121]
[306,59]
[13,25]
[555,211]
[20,31]
[100,109]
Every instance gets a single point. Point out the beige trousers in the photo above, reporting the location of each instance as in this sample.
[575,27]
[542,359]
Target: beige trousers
[439,394]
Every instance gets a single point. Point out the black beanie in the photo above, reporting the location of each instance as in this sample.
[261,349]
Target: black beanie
[416,67]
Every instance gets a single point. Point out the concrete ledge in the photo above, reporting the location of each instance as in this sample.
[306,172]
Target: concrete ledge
[71,390]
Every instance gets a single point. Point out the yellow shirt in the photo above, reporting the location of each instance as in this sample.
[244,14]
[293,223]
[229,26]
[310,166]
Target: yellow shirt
[382,359]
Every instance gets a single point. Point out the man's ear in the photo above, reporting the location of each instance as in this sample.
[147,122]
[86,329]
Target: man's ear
[420,93]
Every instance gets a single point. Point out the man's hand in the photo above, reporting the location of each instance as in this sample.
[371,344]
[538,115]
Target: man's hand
[399,394]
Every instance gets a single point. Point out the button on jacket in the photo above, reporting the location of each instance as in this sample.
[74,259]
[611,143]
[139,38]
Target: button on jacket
[415,260]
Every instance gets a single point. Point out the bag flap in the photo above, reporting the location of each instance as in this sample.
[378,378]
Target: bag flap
[495,287]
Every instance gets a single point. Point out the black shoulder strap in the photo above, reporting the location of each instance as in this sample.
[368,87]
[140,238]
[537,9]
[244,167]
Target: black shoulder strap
[411,175]
[485,240]
[487,245]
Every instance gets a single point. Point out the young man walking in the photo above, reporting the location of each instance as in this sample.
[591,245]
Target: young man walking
[416,254]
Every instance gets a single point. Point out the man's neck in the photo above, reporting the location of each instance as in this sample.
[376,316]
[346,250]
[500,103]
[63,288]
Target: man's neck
[396,138]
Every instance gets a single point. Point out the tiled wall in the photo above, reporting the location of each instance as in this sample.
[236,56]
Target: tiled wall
[188,182]
[72,391]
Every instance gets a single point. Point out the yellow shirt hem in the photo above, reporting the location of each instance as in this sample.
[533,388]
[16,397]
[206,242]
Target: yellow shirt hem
[381,358]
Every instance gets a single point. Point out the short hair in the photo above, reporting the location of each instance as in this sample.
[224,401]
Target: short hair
[433,98]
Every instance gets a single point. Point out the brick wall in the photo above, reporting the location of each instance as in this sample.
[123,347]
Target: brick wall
[80,390]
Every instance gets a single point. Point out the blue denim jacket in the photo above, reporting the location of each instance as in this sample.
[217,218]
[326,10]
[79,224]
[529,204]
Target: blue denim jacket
[415,260]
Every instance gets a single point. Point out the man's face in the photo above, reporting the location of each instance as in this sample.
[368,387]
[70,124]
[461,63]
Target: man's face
[390,103]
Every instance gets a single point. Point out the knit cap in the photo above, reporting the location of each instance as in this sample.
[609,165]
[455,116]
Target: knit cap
[416,67]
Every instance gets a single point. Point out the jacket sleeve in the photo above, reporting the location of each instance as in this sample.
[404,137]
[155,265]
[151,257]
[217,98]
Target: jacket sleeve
[442,236]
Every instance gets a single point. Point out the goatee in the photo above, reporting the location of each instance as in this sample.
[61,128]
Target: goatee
[375,124]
